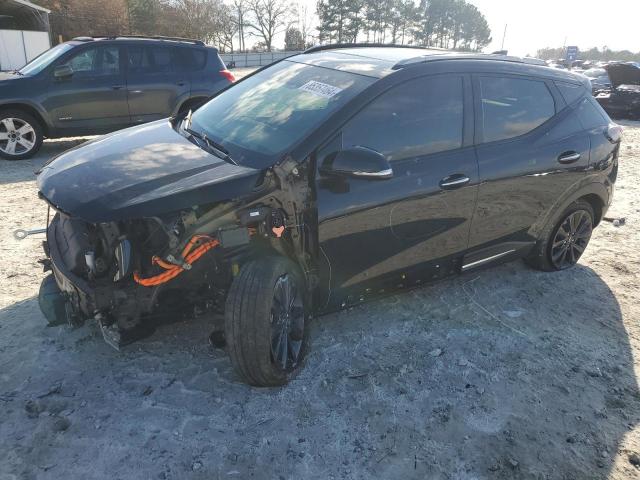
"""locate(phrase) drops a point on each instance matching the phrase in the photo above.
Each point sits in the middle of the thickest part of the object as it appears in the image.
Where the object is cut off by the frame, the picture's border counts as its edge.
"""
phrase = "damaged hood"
(142, 171)
(623, 74)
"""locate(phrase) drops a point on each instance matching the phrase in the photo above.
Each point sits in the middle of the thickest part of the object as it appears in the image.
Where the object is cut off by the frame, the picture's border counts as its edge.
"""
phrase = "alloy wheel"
(287, 323)
(17, 136)
(571, 238)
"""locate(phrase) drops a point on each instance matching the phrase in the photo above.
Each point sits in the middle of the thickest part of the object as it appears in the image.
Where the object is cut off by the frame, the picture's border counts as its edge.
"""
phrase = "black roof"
(380, 60)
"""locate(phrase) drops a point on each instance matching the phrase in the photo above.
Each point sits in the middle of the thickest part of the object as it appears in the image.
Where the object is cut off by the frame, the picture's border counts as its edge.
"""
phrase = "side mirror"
(62, 71)
(359, 162)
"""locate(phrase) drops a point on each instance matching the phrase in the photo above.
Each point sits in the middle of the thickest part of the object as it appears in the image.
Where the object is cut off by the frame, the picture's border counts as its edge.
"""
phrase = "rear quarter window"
(570, 92)
(513, 106)
(591, 114)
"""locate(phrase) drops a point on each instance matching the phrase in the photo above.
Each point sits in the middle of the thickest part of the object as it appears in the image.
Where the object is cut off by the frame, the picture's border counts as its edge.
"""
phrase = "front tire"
(564, 243)
(21, 135)
(265, 322)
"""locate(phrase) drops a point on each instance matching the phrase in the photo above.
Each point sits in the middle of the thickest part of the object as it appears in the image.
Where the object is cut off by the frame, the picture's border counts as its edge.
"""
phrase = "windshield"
(44, 59)
(260, 118)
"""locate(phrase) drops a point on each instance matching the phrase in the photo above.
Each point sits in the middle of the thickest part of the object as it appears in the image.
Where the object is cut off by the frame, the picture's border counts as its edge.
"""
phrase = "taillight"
(613, 132)
(228, 75)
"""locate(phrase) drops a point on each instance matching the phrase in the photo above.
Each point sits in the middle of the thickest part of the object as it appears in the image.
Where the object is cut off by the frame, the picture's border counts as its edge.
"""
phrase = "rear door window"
(163, 59)
(138, 59)
(513, 106)
(419, 117)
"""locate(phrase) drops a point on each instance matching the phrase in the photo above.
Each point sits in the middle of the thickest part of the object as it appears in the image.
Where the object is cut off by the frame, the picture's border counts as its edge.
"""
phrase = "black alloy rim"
(571, 239)
(287, 323)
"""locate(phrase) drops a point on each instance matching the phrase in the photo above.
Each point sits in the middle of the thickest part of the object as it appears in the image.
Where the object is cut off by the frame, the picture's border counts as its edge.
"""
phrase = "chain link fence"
(241, 60)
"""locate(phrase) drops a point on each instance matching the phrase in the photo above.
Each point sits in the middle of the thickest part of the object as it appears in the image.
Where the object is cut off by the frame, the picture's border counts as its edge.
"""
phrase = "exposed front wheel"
(20, 135)
(265, 322)
(565, 243)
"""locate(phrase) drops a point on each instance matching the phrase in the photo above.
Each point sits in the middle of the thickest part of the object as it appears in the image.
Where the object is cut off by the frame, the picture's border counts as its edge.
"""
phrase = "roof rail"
(144, 37)
(336, 46)
(467, 56)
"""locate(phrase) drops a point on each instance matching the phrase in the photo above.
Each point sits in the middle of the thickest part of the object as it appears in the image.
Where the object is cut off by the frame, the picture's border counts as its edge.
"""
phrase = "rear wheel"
(265, 322)
(20, 135)
(564, 244)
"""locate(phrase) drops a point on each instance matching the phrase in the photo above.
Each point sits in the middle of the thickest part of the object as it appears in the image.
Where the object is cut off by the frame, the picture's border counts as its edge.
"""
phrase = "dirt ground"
(508, 373)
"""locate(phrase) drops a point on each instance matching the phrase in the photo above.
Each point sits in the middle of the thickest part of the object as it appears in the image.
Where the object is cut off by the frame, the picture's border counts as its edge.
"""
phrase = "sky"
(547, 23)
(536, 24)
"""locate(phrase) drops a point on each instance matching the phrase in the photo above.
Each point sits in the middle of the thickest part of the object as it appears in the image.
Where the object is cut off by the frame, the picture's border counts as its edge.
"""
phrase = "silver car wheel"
(17, 136)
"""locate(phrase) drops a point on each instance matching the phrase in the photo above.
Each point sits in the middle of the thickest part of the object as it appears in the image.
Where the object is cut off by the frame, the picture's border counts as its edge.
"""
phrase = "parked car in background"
(554, 64)
(623, 99)
(599, 79)
(97, 85)
(322, 181)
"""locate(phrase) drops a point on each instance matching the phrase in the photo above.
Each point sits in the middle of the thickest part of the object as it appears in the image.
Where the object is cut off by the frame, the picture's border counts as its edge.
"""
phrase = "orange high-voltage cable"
(173, 270)
(189, 257)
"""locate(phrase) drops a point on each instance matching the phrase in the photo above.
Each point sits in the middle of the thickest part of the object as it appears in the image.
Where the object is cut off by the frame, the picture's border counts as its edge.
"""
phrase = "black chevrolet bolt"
(319, 182)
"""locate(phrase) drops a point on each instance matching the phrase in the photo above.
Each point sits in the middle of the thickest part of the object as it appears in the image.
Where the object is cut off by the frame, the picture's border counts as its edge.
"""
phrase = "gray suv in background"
(92, 86)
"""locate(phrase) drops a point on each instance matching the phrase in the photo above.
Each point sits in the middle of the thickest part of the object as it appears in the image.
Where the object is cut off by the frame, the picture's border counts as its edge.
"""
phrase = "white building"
(24, 32)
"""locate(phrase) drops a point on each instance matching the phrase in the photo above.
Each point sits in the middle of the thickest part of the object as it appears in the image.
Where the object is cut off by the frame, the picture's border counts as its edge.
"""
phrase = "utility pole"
(504, 35)
(128, 5)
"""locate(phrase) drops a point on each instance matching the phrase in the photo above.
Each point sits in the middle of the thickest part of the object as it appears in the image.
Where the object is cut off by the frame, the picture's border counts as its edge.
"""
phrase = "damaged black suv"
(319, 182)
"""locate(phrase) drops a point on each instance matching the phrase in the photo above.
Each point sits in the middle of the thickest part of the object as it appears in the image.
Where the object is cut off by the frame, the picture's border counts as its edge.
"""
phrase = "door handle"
(117, 87)
(181, 83)
(569, 157)
(456, 180)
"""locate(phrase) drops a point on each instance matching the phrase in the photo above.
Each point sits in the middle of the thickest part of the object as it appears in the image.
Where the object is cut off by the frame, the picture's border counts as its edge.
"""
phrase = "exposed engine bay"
(131, 274)
(623, 99)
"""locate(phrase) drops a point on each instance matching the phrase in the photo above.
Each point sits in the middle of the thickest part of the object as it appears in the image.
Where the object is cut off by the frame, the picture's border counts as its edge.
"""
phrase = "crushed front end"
(133, 274)
(150, 228)
(112, 272)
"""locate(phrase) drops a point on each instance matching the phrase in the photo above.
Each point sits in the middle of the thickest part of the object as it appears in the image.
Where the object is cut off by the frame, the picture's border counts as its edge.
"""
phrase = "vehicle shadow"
(506, 373)
(12, 171)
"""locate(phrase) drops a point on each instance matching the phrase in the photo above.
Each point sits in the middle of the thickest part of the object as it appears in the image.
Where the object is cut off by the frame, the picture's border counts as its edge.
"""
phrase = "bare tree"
(72, 18)
(225, 28)
(269, 18)
(305, 20)
(198, 17)
(240, 9)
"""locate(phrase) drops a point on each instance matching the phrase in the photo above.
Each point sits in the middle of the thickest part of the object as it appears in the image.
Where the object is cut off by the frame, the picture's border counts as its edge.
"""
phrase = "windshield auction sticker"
(321, 89)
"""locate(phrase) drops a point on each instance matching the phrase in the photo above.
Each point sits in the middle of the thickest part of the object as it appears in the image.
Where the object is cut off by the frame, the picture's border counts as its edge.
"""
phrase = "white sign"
(320, 89)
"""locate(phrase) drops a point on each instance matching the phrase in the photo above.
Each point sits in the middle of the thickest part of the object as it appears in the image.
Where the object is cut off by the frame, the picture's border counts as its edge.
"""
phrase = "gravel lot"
(504, 374)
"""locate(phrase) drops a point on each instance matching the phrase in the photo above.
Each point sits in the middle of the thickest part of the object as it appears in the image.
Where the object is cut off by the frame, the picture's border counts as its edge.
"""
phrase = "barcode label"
(321, 89)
